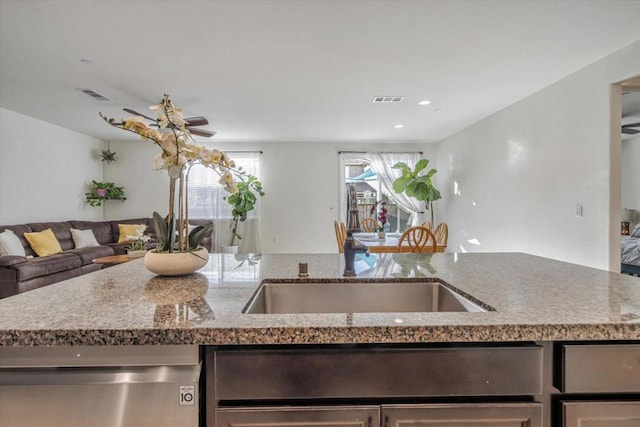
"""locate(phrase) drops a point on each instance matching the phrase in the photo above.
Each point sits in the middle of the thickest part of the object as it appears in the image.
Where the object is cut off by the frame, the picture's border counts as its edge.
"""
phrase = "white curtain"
(382, 163)
(206, 201)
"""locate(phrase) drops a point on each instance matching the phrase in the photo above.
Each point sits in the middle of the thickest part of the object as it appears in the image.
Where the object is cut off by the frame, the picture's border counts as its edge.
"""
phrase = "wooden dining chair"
(427, 225)
(340, 234)
(417, 239)
(368, 225)
(442, 234)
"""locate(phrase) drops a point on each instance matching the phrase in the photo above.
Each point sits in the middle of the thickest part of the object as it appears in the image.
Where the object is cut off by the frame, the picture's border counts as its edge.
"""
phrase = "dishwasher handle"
(100, 375)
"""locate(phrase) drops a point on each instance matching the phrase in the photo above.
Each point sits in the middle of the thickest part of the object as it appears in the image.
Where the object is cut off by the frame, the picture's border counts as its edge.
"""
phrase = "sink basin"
(357, 297)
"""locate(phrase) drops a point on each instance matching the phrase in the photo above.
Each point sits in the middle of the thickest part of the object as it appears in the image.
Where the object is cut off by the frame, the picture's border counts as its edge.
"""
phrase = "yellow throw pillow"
(125, 230)
(43, 243)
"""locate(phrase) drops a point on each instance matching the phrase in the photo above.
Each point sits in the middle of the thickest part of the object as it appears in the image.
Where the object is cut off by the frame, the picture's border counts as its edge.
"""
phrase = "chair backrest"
(427, 224)
(339, 236)
(442, 234)
(368, 225)
(417, 238)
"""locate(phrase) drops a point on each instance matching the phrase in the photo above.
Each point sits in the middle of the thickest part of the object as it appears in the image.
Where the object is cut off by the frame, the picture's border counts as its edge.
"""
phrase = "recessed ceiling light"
(398, 126)
(425, 102)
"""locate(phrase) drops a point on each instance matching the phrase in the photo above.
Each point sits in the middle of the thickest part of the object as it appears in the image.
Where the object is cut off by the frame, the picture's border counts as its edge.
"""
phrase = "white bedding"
(630, 247)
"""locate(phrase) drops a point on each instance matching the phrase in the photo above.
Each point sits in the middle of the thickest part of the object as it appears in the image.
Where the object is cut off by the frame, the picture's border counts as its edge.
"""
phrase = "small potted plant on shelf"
(242, 202)
(104, 191)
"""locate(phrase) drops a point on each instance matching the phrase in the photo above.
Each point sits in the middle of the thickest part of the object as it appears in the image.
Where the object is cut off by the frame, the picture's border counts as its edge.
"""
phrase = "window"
(206, 195)
(357, 169)
(206, 201)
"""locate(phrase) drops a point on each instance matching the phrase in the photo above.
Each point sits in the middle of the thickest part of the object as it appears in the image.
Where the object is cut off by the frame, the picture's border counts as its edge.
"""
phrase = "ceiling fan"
(190, 123)
(628, 128)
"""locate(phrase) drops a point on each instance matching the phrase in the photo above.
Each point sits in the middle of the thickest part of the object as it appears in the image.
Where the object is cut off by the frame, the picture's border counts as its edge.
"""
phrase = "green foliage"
(166, 233)
(243, 201)
(104, 191)
(416, 185)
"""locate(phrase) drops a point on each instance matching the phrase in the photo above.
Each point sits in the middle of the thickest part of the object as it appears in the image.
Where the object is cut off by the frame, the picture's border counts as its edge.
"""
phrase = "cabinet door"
(312, 416)
(601, 414)
(464, 415)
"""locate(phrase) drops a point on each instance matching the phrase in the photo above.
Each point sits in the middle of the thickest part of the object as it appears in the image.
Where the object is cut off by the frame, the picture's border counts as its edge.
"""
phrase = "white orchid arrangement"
(178, 153)
(138, 241)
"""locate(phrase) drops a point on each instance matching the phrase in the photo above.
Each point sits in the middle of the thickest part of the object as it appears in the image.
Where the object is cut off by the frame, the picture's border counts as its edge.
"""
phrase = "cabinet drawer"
(601, 414)
(290, 416)
(604, 368)
(377, 372)
(464, 415)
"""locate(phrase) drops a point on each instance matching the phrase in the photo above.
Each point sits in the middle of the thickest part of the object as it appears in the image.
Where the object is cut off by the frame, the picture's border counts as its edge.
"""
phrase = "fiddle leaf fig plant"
(415, 184)
(243, 202)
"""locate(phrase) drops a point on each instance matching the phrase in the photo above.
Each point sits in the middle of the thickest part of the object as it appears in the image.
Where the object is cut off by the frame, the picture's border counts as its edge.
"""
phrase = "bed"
(630, 248)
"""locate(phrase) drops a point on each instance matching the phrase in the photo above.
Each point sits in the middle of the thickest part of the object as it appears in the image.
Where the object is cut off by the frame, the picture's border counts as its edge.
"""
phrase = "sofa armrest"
(7, 260)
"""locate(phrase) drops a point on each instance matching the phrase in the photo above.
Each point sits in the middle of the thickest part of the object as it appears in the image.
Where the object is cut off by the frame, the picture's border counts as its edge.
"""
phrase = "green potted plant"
(104, 191)
(417, 185)
(242, 202)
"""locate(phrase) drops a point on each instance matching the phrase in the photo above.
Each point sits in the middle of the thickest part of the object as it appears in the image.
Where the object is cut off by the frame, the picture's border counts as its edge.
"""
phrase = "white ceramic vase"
(176, 263)
(418, 219)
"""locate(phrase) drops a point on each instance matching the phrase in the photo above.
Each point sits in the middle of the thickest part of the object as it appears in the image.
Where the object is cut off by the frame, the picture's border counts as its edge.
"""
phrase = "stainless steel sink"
(357, 297)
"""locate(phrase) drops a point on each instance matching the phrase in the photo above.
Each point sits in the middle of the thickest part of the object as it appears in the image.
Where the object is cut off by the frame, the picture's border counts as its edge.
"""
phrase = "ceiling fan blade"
(201, 132)
(196, 121)
(135, 113)
(631, 125)
(630, 131)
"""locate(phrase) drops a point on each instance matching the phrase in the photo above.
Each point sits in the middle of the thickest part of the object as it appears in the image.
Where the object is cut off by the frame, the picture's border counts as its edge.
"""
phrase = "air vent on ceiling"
(94, 94)
(387, 99)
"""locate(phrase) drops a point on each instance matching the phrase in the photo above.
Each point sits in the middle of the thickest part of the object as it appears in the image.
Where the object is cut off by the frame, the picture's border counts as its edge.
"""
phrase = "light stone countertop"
(536, 299)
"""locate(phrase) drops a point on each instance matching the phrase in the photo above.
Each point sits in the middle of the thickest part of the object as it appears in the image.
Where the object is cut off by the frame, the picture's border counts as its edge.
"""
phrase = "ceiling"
(298, 70)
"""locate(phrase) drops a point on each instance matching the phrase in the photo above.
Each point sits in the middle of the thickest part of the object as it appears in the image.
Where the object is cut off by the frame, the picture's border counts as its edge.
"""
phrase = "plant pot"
(137, 253)
(229, 249)
(382, 235)
(176, 263)
(418, 219)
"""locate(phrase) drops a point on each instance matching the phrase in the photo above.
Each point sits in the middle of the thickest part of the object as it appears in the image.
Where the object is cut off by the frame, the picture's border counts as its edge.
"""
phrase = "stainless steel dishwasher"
(101, 386)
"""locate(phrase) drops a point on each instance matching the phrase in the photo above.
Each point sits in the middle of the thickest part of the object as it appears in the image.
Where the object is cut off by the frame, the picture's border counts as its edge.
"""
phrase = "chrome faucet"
(351, 247)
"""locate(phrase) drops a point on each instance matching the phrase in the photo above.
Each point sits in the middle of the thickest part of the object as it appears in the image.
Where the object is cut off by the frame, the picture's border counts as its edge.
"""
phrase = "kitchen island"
(529, 357)
(534, 299)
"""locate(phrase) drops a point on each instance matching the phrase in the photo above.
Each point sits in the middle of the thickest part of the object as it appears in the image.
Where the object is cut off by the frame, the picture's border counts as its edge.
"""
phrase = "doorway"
(625, 175)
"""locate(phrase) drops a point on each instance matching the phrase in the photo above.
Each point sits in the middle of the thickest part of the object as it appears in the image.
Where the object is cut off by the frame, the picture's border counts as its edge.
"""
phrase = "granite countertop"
(536, 299)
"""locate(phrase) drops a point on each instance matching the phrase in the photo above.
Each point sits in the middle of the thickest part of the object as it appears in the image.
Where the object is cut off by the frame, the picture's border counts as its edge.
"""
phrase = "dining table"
(390, 243)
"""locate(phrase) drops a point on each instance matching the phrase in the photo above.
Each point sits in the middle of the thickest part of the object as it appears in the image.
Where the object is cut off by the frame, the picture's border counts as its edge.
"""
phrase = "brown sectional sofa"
(20, 274)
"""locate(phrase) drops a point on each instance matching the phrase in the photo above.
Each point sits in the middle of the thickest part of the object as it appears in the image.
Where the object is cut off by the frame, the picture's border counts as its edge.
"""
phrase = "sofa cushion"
(43, 243)
(101, 229)
(38, 267)
(87, 255)
(10, 244)
(19, 231)
(115, 230)
(83, 238)
(60, 229)
(8, 260)
(126, 231)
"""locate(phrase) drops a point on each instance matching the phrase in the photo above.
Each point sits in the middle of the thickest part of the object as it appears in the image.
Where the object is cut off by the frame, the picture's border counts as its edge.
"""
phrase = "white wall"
(300, 182)
(512, 181)
(45, 171)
